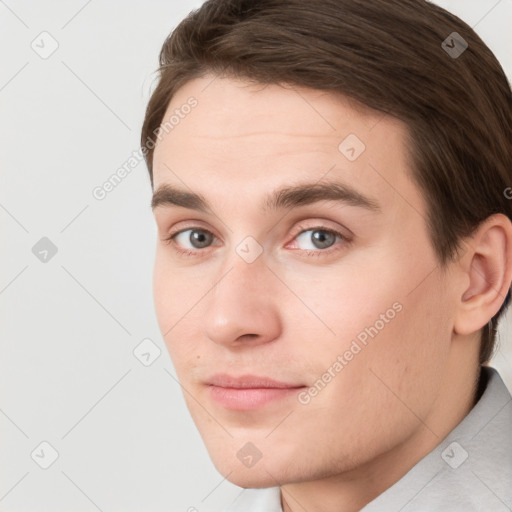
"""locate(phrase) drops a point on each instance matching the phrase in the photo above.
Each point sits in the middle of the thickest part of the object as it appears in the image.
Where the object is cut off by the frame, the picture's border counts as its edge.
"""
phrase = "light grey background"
(68, 375)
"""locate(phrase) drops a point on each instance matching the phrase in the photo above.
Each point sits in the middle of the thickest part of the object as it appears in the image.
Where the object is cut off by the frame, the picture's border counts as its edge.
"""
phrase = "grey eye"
(194, 238)
(316, 239)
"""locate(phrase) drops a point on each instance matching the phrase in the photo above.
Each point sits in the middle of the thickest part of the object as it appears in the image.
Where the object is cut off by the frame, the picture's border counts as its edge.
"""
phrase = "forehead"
(241, 135)
(230, 108)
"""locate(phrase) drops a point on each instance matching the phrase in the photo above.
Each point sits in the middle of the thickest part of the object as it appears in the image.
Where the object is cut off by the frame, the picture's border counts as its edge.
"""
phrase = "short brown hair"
(391, 55)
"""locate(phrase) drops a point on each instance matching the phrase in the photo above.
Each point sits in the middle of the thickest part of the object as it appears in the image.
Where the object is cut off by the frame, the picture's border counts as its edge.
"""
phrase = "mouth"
(249, 392)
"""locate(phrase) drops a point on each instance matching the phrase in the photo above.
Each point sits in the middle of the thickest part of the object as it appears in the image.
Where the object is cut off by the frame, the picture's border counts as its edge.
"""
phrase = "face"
(295, 281)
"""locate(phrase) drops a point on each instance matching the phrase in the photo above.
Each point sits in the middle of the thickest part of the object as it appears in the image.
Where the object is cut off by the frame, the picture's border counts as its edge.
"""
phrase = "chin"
(266, 472)
(252, 478)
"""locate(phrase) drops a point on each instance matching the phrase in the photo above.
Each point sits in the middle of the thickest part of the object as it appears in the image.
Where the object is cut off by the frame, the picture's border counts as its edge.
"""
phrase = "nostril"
(248, 336)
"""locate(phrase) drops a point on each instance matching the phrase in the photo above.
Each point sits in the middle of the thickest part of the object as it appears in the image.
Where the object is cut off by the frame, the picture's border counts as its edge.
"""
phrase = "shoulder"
(470, 470)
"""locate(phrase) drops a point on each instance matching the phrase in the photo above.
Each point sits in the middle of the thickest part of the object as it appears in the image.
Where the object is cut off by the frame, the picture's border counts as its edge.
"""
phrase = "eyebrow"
(285, 198)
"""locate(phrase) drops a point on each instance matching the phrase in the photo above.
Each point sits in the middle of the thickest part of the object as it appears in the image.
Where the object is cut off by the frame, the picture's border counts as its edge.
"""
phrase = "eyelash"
(309, 252)
(322, 252)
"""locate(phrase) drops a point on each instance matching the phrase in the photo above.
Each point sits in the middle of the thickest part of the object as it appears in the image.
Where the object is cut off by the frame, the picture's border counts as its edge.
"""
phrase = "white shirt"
(469, 471)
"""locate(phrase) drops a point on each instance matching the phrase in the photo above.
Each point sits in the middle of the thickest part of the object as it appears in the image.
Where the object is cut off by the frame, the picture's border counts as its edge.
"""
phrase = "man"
(335, 250)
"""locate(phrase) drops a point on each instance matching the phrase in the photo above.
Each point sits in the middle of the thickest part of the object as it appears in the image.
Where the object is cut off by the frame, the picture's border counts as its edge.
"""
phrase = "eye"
(317, 238)
(193, 238)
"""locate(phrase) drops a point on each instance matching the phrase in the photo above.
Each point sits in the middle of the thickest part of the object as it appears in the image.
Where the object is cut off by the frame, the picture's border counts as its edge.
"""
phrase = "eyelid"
(194, 224)
(174, 233)
(341, 241)
(300, 228)
(322, 225)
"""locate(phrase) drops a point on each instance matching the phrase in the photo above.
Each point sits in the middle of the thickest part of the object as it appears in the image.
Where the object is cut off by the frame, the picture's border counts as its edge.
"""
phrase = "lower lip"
(245, 399)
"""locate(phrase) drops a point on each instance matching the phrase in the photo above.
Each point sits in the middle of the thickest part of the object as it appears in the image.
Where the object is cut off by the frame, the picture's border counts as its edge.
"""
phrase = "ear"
(487, 265)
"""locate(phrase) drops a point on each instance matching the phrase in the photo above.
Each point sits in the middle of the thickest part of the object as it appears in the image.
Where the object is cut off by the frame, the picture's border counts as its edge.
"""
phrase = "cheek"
(343, 303)
(387, 291)
(175, 295)
(392, 334)
(175, 291)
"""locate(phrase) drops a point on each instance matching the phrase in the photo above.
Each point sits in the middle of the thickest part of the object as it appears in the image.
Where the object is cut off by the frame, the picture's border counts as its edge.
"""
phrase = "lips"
(248, 381)
(249, 391)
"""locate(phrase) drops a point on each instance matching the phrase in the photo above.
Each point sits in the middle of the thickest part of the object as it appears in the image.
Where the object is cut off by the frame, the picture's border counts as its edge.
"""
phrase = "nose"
(242, 308)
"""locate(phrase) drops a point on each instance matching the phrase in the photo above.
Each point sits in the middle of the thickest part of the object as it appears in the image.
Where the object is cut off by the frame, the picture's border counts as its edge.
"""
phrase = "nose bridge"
(241, 301)
(244, 272)
(241, 286)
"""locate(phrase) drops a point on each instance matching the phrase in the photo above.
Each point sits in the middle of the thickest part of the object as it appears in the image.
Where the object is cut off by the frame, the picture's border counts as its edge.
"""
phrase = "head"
(330, 192)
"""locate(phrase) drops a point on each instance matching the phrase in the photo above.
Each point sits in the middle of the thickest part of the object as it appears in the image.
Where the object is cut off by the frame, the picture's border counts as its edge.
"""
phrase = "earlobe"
(488, 267)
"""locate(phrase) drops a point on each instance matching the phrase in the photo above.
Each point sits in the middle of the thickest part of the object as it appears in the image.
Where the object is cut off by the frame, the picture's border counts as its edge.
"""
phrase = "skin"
(290, 313)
